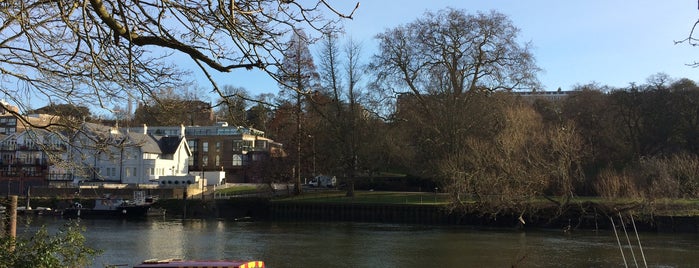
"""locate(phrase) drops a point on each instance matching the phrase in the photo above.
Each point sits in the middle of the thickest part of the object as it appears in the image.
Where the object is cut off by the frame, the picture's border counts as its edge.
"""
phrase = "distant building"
(6, 108)
(11, 122)
(94, 153)
(25, 159)
(144, 155)
(545, 95)
(105, 154)
(221, 147)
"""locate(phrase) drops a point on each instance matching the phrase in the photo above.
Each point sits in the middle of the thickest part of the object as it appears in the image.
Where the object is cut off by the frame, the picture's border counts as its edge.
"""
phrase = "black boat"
(108, 208)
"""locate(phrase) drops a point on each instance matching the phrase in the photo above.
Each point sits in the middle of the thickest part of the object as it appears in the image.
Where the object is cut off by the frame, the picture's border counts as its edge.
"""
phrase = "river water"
(335, 244)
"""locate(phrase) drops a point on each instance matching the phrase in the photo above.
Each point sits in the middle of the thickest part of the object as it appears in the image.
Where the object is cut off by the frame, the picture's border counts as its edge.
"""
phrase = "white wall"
(211, 177)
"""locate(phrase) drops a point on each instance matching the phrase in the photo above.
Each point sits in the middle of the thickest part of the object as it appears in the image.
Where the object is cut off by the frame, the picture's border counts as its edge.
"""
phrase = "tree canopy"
(453, 52)
(104, 51)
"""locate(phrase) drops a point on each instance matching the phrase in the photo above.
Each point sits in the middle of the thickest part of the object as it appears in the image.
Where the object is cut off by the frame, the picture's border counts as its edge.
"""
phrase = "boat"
(108, 208)
(178, 263)
(35, 211)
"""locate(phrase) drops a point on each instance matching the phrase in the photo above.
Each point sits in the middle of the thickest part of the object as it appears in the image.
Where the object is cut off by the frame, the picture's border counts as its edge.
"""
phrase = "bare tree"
(444, 68)
(103, 51)
(100, 53)
(692, 40)
(233, 106)
(342, 112)
(451, 52)
(298, 77)
(260, 114)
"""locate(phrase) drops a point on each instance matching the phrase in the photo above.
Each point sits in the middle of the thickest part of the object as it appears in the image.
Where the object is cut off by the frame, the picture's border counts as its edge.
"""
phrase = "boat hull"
(123, 212)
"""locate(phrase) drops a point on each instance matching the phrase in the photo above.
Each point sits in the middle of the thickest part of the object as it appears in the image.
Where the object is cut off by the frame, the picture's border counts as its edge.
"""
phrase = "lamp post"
(201, 181)
(313, 146)
(9, 180)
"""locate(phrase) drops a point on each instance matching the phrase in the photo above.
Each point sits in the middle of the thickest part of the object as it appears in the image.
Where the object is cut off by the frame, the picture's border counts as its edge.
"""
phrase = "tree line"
(434, 101)
(443, 108)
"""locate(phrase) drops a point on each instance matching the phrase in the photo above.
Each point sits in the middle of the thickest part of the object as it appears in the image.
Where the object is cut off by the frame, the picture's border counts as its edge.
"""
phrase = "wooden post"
(184, 202)
(28, 198)
(12, 220)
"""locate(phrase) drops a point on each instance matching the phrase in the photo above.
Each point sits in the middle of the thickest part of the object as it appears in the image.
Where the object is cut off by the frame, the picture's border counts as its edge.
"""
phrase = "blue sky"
(612, 42)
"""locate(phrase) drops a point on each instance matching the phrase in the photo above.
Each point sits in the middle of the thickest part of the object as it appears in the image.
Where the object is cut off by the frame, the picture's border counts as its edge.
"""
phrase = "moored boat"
(108, 208)
(178, 263)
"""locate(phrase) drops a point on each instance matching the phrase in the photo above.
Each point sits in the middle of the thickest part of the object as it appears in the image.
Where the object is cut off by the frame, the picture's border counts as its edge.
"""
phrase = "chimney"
(182, 131)
(145, 129)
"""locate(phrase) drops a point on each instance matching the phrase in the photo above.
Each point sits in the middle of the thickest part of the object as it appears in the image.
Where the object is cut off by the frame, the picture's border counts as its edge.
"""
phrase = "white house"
(109, 155)
(26, 155)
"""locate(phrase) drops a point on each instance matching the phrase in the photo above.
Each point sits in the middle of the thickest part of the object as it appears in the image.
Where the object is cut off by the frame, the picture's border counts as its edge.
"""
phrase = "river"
(342, 244)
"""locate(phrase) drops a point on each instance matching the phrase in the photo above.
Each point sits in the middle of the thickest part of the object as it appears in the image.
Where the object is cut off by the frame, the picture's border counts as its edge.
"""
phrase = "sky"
(610, 42)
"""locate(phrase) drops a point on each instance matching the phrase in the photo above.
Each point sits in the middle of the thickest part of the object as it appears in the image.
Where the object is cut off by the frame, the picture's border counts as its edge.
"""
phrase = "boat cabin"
(177, 263)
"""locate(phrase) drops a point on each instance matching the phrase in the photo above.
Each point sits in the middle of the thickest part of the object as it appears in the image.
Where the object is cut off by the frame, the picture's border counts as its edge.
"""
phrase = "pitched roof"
(147, 142)
(169, 144)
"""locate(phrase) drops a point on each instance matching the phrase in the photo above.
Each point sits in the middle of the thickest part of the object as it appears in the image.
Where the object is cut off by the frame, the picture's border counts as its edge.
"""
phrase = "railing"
(49, 147)
(59, 177)
(8, 147)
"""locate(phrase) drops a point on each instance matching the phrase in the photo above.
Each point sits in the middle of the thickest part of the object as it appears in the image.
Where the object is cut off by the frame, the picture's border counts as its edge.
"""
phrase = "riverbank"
(575, 217)
(428, 209)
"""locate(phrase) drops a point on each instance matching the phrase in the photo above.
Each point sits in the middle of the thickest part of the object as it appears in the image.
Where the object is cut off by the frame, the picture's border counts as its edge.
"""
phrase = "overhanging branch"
(121, 31)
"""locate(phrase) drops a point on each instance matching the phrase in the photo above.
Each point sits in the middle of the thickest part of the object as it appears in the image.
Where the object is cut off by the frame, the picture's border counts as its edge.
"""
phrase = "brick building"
(232, 149)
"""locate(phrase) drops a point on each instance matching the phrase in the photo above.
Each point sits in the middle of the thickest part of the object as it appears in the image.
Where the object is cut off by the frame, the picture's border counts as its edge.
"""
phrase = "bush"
(676, 176)
(65, 248)
(611, 184)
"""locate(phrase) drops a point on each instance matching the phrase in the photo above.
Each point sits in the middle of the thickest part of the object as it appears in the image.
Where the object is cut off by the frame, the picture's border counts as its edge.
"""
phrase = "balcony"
(8, 147)
(60, 177)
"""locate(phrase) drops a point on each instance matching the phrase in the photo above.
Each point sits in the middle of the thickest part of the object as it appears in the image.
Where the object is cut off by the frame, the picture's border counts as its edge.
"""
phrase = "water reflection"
(375, 245)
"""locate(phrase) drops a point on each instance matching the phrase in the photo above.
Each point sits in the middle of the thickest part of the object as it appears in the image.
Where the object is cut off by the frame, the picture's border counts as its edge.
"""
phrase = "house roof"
(169, 144)
(147, 142)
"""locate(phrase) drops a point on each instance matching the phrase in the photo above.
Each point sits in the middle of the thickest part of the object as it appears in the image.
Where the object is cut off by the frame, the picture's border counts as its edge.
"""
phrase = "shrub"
(65, 248)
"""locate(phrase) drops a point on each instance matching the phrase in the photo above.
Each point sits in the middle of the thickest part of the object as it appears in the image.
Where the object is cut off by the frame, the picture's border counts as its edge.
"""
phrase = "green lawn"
(675, 207)
(369, 197)
(242, 189)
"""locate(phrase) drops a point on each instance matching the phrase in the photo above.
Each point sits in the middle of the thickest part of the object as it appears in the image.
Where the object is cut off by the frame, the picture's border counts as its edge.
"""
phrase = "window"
(237, 160)
(205, 160)
(205, 147)
(257, 157)
(218, 160)
(218, 146)
(247, 145)
(237, 145)
(192, 145)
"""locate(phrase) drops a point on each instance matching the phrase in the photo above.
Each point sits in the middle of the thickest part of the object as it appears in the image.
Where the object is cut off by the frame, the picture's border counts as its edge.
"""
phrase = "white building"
(106, 154)
(25, 158)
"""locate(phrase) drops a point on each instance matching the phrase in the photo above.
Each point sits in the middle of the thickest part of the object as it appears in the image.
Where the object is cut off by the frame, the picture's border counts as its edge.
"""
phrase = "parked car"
(323, 181)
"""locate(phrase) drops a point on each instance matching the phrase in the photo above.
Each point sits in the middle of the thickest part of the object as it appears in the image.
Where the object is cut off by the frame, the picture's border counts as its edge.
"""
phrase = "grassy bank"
(659, 207)
(369, 197)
